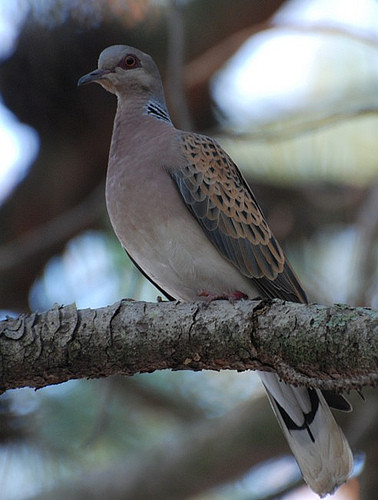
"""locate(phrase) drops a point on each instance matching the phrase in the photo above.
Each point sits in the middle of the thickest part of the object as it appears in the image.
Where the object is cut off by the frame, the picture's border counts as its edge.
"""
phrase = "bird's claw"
(231, 297)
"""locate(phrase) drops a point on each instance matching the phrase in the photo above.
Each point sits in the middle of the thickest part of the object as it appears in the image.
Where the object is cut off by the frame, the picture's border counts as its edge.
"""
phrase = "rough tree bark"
(330, 347)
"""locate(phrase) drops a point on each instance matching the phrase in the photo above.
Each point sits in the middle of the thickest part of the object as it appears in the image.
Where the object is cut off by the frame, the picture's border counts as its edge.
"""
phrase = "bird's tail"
(317, 442)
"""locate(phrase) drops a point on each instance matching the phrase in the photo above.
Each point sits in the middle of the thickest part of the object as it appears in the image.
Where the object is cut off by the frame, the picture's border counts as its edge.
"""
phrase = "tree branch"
(330, 347)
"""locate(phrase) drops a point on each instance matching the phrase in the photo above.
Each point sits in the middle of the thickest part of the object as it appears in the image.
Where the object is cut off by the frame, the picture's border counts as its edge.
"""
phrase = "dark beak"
(93, 76)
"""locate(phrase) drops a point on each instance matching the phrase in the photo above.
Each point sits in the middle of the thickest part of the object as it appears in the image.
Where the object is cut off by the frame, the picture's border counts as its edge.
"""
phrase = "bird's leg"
(231, 297)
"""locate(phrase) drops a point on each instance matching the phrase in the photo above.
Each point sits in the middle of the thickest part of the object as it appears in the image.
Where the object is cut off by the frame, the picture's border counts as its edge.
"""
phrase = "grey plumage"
(185, 214)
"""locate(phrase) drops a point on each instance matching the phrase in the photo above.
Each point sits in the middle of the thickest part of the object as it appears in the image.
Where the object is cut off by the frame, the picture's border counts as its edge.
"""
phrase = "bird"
(190, 222)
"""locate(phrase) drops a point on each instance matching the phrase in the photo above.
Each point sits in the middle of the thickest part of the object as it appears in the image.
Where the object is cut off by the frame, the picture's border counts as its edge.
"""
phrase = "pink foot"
(232, 297)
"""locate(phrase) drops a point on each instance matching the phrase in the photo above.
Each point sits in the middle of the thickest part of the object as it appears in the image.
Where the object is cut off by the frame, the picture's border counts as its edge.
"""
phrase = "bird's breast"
(154, 225)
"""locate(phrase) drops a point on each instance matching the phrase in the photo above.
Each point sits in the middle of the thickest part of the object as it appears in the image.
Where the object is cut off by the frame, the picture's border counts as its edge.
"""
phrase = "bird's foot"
(231, 297)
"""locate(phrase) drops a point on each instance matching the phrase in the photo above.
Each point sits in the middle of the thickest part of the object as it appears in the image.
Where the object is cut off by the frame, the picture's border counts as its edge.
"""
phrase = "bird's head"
(123, 70)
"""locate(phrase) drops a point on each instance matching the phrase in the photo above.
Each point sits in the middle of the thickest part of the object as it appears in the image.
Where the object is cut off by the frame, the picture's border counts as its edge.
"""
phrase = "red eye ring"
(130, 61)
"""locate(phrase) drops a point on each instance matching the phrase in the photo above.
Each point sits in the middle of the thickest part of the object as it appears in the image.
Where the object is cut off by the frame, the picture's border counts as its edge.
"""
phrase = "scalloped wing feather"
(218, 196)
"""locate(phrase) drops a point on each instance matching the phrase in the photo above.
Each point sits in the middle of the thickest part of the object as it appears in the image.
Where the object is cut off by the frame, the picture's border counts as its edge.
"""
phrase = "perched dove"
(190, 222)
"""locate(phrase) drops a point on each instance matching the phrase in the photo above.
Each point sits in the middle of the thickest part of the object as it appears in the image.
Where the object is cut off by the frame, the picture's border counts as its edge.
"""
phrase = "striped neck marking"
(154, 109)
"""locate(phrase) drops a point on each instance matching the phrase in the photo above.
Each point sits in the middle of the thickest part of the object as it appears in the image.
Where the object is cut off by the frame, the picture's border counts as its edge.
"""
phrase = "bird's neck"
(139, 120)
(141, 113)
(157, 110)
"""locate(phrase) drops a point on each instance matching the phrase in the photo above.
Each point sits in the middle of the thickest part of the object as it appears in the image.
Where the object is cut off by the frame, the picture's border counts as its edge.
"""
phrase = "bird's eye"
(129, 62)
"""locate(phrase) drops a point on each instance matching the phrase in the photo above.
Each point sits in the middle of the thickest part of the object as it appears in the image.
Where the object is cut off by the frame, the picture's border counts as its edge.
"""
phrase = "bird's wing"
(218, 196)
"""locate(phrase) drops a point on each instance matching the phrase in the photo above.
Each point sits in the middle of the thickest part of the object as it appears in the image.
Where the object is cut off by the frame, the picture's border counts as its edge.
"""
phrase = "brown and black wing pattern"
(218, 196)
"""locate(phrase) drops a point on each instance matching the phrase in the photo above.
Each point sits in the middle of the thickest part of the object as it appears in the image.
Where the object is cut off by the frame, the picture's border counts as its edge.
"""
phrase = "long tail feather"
(317, 442)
